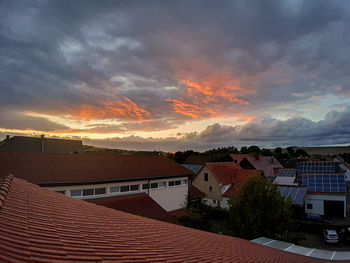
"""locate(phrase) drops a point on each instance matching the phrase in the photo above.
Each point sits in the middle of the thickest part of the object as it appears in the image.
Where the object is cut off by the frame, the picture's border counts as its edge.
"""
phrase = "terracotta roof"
(241, 177)
(137, 204)
(238, 157)
(39, 145)
(265, 163)
(38, 225)
(195, 193)
(44, 169)
(226, 172)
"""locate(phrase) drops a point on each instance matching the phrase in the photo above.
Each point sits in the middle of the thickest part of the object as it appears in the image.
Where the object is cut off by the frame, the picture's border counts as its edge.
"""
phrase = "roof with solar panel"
(287, 172)
(317, 167)
(324, 183)
(296, 194)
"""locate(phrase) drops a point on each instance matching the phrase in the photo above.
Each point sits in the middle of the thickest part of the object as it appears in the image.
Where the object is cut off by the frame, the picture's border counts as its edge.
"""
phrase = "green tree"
(301, 152)
(244, 149)
(278, 150)
(266, 152)
(291, 151)
(258, 210)
(254, 149)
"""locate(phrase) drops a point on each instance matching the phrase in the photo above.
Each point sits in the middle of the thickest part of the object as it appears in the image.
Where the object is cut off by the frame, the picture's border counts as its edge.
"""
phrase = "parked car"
(318, 218)
(330, 236)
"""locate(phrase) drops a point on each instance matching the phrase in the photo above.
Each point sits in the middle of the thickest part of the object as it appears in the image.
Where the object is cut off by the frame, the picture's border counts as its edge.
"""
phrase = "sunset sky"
(177, 75)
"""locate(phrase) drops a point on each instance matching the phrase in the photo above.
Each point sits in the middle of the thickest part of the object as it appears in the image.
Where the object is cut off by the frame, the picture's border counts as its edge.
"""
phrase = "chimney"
(7, 137)
(42, 136)
(271, 160)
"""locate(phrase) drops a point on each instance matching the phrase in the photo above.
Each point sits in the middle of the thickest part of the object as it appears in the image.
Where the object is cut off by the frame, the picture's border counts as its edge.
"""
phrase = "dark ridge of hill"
(97, 150)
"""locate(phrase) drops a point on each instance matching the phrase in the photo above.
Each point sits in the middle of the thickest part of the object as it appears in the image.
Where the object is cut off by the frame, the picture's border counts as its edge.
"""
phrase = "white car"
(330, 236)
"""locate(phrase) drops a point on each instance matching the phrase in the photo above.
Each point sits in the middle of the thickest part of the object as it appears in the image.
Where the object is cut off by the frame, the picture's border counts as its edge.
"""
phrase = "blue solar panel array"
(317, 167)
(324, 183)
(297, 194)
(287, 172)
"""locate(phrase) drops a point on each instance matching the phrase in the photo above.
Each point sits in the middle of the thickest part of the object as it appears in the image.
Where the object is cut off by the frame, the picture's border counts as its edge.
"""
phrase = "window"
(206, 177)
(154, 185)
(177, 183)
(218, 203)
(210, 188)
(125, 188)
(309, 206)
(114, 189)
(134, 187)
(77, 192)
(214, 201)
(87, 192)
(162, 185)
(61, 192)
(145, 186)
(100, 191)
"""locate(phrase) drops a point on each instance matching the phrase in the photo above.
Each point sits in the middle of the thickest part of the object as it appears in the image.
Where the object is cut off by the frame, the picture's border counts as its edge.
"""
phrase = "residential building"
(267, 164)
(220, 181)
(100, 176)
(326, 187)
(38, 225)
(344, 166)
(40, 145)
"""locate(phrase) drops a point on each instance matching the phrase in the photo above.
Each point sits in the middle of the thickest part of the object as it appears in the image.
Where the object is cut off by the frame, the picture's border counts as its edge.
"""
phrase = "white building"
(98, 176)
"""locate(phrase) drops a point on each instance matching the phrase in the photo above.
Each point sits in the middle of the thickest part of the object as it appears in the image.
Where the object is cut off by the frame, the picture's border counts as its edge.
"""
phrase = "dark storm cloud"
(333, 129)
(59, 55)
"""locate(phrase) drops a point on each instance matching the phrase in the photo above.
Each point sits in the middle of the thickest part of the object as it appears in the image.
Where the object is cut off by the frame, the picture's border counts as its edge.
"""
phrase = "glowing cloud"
(124, 109)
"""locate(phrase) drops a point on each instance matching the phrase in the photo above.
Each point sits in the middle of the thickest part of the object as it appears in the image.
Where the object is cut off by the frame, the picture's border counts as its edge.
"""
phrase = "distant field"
(327, 150)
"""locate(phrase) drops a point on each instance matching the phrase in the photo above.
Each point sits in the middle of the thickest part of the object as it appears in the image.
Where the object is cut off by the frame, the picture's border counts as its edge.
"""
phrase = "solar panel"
(317, 167)
(287, 172)
(324, 183)
(297, 194)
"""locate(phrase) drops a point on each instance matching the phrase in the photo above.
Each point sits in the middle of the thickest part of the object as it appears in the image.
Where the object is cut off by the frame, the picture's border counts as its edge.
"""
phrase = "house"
(98, 176)
(344, 166)
(220, 181)
(265, 163)
(40, 145)
(326, 187)
(38, 225)
(286, 177)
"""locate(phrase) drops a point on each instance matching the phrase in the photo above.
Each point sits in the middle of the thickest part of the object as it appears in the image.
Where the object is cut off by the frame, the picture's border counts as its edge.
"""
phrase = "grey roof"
(41, 145)
(297, 194)
(287, 172)
(195, 168)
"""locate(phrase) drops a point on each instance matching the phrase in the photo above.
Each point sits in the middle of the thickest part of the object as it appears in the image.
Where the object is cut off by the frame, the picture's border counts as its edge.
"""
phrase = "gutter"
(51, 184)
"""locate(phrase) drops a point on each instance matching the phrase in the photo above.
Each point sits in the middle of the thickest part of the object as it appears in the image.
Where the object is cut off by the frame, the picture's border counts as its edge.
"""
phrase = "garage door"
(334, 208)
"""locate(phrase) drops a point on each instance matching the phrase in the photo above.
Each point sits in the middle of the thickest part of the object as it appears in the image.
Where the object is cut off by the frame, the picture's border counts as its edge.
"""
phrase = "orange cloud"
(245, 118)
(191, 110)
(120, 109)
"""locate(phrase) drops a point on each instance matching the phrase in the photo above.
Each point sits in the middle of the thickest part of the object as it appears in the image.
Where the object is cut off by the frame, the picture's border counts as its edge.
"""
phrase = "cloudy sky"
(175, 75)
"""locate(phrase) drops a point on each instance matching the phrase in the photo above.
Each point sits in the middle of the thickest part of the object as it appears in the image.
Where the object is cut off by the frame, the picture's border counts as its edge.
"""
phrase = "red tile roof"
(227, 172)
(137, 204)
(38, 225)
(240, 178)
(195, 193)
(44, 169)
(265, 163)
(238, 157)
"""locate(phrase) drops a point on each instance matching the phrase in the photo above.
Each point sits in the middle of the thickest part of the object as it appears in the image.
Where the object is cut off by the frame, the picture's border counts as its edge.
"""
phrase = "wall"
(318, 204)
(202, 185)
(169, 198)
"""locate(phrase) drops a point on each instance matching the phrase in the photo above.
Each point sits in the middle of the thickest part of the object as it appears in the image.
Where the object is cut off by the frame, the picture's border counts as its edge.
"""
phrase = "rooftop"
(39, 225)
(40, 145)
(67, 169)
(137, 204)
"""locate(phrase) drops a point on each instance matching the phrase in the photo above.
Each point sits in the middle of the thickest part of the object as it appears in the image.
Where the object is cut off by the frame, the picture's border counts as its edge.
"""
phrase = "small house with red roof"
(220, 181)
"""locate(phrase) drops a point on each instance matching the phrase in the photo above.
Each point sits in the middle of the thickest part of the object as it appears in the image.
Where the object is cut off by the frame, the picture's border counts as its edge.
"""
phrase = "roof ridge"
(5, 183)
